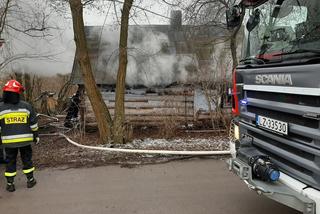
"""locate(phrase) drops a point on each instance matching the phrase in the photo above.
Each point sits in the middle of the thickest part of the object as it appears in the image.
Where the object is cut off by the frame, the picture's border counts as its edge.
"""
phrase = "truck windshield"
(282, 27)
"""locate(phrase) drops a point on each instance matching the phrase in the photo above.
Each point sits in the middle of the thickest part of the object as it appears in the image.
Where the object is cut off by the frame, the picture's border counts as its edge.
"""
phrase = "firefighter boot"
(10, 184)
(31, 181)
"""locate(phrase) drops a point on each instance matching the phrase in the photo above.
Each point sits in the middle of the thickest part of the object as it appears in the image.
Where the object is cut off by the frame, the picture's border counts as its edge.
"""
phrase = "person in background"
(19, 129)
(73, 110)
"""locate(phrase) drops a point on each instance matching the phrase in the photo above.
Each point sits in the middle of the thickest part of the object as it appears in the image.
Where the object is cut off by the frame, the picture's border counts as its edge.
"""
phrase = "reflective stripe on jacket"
(18, 124)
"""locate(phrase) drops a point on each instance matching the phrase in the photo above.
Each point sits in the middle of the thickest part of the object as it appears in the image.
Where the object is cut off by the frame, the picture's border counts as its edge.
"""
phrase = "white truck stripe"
(283, 89)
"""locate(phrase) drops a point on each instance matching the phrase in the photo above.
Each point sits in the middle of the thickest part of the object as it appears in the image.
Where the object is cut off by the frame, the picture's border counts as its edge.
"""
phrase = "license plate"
(272, 124)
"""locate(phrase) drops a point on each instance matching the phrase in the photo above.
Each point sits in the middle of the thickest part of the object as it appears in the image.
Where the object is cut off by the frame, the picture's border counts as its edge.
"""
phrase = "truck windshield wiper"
(253, 60)
(303, 50)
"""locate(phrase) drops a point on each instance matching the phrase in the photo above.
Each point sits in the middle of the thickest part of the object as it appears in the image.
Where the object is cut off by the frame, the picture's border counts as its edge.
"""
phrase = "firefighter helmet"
(13, 86)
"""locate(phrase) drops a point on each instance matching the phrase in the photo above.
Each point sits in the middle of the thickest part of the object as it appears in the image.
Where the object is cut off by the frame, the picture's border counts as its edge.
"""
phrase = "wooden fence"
(155, 109)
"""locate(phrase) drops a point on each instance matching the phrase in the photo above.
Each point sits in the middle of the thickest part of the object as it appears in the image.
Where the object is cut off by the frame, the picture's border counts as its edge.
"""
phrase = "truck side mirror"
(233, 16)
(254, 20)
(281, 11)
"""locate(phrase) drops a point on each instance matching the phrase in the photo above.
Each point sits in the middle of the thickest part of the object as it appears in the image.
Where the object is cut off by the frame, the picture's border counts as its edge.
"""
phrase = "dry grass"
(36, 84)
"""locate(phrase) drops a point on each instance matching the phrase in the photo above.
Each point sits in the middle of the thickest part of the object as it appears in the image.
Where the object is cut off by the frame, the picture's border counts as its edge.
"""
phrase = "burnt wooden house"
(175, 101)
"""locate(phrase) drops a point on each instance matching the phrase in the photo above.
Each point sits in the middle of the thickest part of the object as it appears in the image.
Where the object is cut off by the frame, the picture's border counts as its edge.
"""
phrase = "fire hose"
(137, 151)
(142, 151)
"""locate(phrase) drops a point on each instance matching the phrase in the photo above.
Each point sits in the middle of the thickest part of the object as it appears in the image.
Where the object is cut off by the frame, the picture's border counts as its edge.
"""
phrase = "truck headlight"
(236, 132)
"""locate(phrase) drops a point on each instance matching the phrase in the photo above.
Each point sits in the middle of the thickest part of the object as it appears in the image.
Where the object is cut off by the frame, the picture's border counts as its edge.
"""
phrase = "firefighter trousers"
(26, 157)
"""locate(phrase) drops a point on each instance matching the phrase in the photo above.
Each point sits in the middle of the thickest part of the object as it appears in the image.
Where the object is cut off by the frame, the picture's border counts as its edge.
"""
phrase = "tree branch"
(11, 59)
(3, 17)
(141, 8)
(32, 29)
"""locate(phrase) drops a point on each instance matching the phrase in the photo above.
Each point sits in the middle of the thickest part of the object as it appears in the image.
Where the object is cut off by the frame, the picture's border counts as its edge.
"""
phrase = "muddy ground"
(55, 151)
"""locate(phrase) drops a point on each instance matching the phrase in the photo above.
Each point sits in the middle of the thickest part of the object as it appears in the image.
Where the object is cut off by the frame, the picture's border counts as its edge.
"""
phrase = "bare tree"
(3, 15)
(118, 130)
(211, 13)
(20, 17)
(99, 107)
(63, 91)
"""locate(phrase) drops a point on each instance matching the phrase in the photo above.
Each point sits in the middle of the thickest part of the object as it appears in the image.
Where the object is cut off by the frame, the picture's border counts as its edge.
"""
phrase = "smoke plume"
(48, 50)
(151, 57)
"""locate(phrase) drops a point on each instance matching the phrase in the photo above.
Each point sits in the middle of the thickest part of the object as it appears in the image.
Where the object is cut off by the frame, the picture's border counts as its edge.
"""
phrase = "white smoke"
(54, 56)
(45, 52)
(151, 57)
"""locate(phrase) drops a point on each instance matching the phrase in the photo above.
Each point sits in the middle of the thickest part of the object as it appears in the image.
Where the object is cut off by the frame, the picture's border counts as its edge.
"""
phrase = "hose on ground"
(140, 151)
(135, 151)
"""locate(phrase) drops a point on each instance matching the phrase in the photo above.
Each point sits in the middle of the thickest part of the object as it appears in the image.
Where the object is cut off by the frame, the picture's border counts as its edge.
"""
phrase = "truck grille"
(298, 153)
(287, 98)
(290, 118)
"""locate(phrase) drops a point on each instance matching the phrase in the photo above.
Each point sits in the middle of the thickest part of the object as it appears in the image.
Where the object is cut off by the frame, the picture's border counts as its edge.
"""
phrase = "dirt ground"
(55, 151)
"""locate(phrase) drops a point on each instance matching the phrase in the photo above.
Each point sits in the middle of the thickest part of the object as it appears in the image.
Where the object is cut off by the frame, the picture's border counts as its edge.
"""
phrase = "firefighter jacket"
(18, 124)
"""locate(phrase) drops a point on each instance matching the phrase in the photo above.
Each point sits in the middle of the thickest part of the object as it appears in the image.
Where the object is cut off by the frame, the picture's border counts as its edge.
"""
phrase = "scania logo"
(274, 79)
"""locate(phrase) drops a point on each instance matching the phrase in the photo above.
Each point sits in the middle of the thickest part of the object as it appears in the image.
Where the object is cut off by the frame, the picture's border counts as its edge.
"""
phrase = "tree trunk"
(99, 107)
(118, 128)
(29, 88)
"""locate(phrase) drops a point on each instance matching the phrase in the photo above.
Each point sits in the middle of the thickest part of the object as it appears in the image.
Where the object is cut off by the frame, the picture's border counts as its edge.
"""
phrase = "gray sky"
(93, 17)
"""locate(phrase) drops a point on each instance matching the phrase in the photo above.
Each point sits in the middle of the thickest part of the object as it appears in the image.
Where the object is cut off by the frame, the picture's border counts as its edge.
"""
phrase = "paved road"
(194, 186)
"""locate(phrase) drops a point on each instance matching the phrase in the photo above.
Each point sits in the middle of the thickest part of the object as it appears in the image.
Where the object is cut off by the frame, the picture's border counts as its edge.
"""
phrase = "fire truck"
(276, 101)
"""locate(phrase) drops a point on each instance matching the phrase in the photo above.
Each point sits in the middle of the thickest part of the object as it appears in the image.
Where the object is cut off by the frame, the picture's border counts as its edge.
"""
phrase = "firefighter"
(73, 110)
(19, 129)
